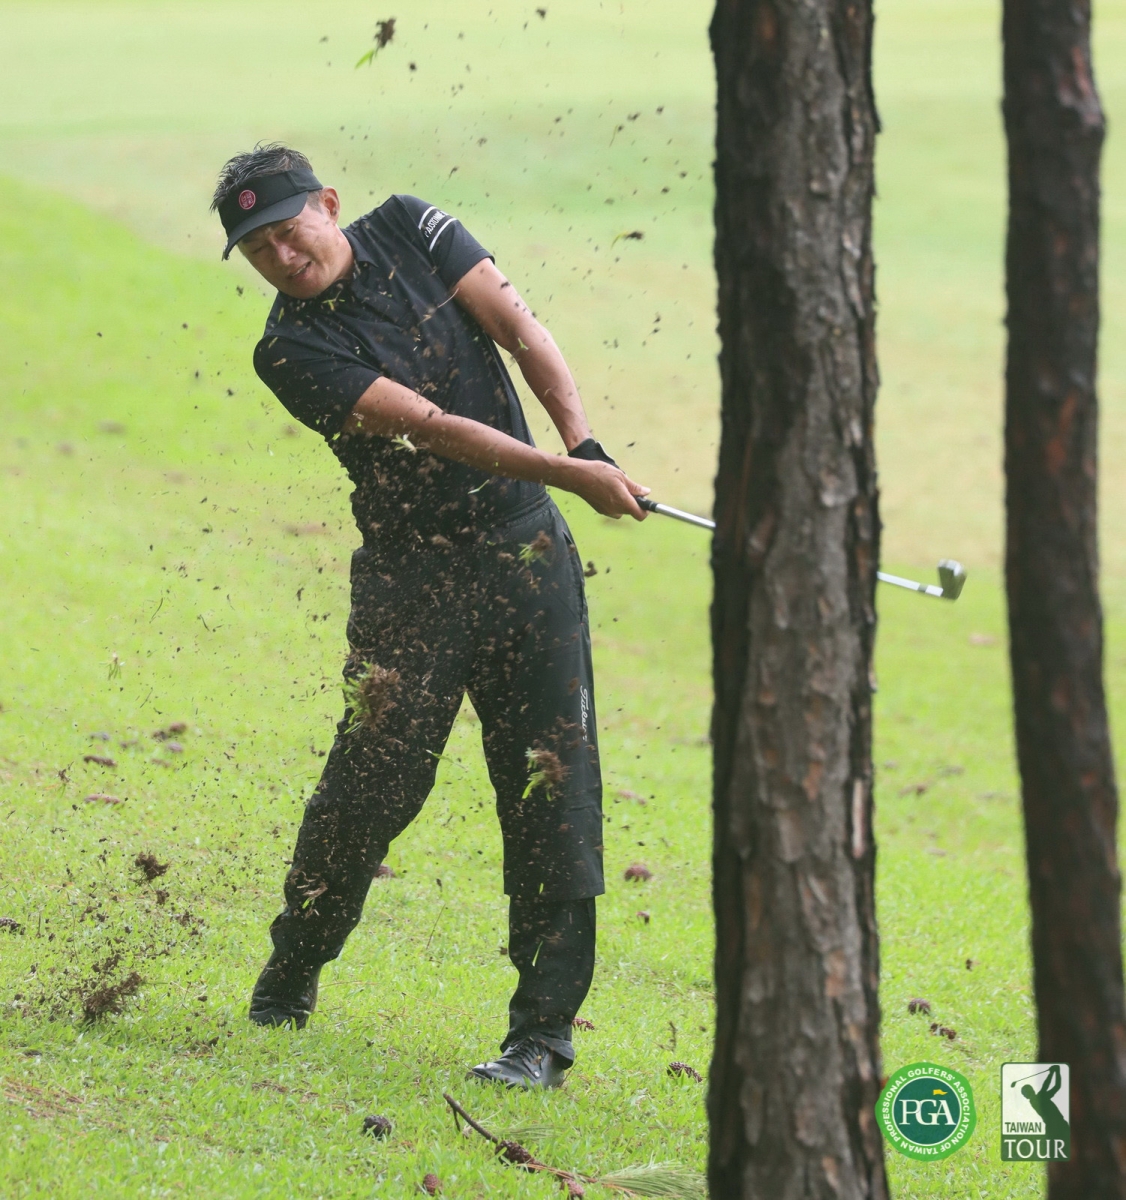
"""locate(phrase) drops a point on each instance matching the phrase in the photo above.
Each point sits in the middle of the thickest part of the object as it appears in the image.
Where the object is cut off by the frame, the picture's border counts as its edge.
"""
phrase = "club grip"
(645, 503)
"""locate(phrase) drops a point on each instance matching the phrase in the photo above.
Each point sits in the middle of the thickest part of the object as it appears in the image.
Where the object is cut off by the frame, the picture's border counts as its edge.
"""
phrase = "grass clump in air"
(537, 548)
(369, 696)
(547, 771)
(384, 33)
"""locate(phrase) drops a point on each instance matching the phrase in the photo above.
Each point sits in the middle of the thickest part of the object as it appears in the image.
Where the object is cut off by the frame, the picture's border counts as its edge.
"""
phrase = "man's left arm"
(497, 307)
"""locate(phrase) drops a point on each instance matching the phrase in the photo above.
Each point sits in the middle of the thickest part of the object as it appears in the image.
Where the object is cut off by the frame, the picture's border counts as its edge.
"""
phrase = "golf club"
(951, 575)
(1032, 1076)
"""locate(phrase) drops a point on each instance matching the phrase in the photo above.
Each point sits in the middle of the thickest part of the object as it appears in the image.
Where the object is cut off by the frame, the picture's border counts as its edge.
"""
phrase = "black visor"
(263, 200)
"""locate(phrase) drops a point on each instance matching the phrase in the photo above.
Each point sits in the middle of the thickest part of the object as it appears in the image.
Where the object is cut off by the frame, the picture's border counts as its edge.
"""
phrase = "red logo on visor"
(247, 199)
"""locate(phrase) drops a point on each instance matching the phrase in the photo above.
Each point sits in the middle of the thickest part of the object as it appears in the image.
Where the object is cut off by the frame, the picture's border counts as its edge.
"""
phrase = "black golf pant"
(501, 616)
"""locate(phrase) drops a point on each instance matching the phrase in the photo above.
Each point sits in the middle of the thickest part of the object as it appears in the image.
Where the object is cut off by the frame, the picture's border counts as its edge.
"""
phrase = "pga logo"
(926, 1111)
(247, 199)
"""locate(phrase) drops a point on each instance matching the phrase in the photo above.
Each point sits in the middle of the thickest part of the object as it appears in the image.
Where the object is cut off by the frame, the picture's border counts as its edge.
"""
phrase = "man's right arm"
(387, 409)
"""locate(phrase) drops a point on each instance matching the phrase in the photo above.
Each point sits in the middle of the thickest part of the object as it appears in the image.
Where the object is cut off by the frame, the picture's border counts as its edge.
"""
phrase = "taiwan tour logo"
(927, 1111)
(247, 199)
(1035, 1112)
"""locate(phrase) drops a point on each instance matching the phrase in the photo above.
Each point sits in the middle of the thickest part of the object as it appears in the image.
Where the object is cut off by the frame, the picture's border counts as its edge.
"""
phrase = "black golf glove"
(592, 451)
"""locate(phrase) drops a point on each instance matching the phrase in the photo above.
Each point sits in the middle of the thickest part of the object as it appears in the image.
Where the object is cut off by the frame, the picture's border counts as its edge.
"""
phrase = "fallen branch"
(458, 1111)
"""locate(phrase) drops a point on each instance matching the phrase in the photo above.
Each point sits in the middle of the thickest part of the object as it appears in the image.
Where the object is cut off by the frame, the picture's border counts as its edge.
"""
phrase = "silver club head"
(952, 576)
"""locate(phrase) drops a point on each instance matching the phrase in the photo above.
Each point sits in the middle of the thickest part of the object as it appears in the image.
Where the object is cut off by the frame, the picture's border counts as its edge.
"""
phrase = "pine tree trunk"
(1055, 132)
(796, 1071)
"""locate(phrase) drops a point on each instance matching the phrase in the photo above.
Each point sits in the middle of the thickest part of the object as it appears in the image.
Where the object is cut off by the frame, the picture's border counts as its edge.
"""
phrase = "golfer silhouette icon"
(1055, 1124)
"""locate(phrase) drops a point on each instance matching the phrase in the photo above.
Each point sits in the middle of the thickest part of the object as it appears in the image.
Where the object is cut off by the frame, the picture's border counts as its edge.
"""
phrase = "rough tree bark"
(1055, 133)
(796, 1070)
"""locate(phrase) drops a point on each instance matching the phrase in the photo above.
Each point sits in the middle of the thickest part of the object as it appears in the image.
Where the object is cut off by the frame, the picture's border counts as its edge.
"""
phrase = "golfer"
(383, 338)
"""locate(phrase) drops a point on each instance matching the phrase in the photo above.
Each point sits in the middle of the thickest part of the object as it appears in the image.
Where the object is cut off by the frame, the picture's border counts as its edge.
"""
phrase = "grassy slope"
(140, 118)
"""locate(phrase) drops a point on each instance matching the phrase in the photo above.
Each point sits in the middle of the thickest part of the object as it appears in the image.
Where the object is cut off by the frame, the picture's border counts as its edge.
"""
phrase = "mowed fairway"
(175, 550)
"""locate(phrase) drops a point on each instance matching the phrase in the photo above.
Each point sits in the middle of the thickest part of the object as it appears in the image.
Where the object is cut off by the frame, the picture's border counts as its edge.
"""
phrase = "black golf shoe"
(286, 992)
(528, 1063)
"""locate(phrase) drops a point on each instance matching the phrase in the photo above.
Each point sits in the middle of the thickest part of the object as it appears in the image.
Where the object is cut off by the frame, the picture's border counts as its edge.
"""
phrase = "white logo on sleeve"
(433, 224)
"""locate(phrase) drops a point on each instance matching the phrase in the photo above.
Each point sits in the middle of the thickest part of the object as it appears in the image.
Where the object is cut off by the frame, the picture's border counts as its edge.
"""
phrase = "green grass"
(158, 508)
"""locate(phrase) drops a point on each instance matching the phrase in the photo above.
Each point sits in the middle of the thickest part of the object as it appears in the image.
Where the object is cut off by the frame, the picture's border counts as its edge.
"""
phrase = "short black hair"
(267, 158)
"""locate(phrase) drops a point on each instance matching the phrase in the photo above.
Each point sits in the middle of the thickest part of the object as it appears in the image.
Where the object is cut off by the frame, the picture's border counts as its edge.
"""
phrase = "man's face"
(304, 255)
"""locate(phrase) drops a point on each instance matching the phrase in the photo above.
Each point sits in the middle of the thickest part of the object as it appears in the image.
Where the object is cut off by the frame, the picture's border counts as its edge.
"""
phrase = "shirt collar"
(360, 252)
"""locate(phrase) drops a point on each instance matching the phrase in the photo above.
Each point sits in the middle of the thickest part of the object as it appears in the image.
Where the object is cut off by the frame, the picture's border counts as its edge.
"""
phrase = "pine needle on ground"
(657, 1179)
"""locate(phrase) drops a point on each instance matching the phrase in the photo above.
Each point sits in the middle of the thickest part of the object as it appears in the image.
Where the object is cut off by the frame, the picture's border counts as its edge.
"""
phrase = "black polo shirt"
(395, 318)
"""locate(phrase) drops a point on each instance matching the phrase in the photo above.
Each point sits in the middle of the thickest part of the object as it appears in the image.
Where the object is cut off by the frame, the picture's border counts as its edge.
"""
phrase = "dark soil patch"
(150, 868)
(192, 923)
(384, 32)
(110, 998)
(638, 873)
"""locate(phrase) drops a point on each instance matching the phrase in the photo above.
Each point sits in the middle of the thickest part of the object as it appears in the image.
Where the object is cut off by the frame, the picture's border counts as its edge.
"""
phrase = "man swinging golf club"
(383, 339)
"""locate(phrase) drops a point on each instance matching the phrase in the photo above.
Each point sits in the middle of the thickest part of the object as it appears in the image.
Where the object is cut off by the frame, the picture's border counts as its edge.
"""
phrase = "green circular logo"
(927, 1111)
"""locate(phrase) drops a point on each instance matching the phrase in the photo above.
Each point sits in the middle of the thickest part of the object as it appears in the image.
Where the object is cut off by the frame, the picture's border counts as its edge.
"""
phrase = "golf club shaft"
(928, 589)
(1014, 1082)
(679, 514)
